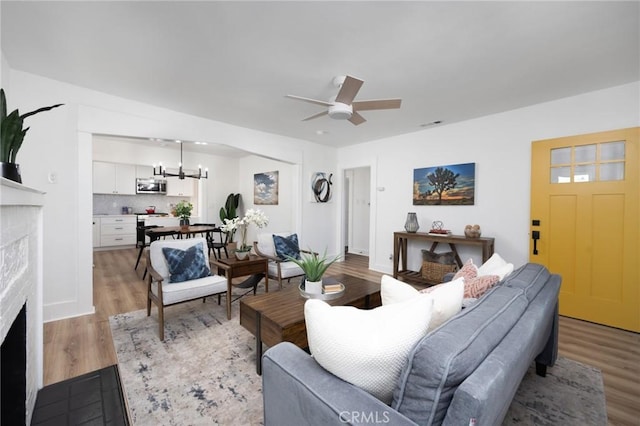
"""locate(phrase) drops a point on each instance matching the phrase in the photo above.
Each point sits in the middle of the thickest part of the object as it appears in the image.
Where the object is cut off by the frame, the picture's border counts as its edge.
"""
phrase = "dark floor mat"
(94, 398)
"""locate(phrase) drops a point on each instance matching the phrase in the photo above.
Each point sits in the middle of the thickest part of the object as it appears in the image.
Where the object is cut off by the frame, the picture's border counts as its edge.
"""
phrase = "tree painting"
(452, 185)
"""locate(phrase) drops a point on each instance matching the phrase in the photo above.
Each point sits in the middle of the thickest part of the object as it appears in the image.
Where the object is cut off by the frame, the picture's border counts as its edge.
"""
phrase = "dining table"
(178, 231)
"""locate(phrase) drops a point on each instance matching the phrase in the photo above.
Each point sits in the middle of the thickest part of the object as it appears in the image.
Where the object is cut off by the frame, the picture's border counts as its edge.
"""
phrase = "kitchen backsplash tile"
(112, 204)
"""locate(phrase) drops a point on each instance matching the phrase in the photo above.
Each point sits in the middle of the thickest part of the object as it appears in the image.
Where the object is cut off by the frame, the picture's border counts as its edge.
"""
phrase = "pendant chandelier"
(181, 174)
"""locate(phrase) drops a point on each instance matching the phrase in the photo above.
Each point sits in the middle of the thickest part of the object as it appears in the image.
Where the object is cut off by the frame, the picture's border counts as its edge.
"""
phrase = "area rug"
(204, 374)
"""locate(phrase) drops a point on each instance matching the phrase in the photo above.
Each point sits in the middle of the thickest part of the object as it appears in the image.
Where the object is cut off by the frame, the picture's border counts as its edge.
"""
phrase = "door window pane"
(585, 154)
(561, 156)
(612, 171)
(612, 151)
(585, 173)
(560, 174)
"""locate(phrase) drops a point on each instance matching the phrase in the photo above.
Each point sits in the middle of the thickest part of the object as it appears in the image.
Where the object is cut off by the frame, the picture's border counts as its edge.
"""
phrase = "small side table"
(234, 268)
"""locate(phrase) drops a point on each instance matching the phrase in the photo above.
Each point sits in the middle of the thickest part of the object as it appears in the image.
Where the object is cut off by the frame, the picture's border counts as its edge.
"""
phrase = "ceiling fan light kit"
(344, 108)
(340, 111)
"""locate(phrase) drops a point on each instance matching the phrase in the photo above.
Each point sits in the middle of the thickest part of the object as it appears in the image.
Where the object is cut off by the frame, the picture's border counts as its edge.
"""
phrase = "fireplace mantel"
(21, 276)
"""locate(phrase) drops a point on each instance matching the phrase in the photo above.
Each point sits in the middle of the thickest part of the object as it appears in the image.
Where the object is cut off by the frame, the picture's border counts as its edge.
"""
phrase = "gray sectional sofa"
(465, 372)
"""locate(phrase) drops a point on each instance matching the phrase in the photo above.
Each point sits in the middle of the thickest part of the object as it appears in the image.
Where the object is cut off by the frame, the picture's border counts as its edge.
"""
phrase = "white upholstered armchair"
(179, 271)
(279, 268)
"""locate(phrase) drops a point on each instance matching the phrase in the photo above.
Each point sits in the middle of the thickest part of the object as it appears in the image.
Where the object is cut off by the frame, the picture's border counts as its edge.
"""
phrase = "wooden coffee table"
(279, 316)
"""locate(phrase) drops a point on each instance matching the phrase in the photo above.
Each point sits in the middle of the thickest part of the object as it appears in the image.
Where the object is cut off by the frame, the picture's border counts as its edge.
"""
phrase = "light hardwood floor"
(78, 345)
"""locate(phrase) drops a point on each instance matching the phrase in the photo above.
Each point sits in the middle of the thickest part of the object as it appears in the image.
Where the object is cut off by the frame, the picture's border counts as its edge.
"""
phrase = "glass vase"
(411, 225)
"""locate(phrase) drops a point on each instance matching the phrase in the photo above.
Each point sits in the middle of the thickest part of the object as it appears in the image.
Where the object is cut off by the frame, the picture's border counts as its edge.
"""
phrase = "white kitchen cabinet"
(180, 187)
(144, 172)
(114, 178)
(96, 232)
(117, 231)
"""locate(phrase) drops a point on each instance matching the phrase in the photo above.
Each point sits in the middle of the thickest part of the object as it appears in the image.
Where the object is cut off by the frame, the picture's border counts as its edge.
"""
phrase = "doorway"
(585, 223)
(357, 210)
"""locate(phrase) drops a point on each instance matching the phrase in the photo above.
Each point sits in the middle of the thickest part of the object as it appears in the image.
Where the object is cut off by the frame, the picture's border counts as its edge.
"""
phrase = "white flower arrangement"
(253, 216)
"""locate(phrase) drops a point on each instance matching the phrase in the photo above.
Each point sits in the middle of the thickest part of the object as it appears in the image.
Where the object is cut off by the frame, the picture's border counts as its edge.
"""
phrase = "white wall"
(60, 142)
(500, 145)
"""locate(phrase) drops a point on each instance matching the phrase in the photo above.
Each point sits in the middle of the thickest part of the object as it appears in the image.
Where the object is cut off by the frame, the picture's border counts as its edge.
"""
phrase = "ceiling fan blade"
(312, 101)
(349, 90)
(356, 118)
(376, 104)
(320, 114)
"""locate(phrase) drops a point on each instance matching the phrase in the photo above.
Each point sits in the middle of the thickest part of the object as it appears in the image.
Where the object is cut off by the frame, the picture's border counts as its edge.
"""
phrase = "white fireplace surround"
(21, 233)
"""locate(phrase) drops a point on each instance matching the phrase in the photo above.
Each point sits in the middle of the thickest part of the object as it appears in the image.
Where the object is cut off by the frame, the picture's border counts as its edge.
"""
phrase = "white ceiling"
(235, 61)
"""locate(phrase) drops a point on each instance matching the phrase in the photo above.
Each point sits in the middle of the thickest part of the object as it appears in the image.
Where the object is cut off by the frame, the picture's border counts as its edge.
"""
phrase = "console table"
(400, 240)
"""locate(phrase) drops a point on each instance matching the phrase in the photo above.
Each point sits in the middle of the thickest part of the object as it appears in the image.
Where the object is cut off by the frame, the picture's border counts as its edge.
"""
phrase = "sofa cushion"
(265, 242)
(286, 246)
(189, 290)
(442, 360)
(366, 348)
(495, 265)
(158, 260)
(186, 265)
(530, 278)
(475, 285)
(447, 298)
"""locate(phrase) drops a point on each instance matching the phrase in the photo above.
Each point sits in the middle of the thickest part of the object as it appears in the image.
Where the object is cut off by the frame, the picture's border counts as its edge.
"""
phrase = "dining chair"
(215, 240)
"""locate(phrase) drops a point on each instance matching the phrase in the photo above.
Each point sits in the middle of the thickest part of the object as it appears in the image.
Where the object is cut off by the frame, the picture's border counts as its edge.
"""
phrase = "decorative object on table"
(331, 290)
(265, 188)
(437, 228)
(183, 211)
(253, 216)
(314, 267)
(452, 185)
(436, 265)
(11, 137)
(411, 224)
(321, 186)
(181, 174)
(150, 209)
(472, 231)
(229, 212)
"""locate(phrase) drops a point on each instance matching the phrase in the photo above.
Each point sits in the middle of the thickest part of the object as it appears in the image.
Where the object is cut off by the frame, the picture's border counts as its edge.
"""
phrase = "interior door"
(585, 223)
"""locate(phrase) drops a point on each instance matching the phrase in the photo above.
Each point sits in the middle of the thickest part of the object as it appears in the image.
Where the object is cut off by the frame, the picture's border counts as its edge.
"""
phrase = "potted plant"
(11, 137)
(228, 212)
(183, 211)
(314, 266)
(253, 216)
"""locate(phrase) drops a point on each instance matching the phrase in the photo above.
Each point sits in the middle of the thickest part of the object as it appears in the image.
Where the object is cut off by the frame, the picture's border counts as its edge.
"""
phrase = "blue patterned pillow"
(286, 246)
(186, 265)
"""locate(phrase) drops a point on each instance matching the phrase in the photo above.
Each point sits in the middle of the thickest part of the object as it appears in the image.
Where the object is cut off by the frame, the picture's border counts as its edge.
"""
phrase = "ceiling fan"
(344, 107)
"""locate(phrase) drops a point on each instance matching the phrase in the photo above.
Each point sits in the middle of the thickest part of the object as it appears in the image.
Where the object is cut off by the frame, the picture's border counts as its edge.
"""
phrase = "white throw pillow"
(366, 348)
(447, 297)
(496, 265)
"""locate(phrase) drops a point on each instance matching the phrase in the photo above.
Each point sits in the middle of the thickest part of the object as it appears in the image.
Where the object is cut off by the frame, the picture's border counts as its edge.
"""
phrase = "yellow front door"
(585, 218)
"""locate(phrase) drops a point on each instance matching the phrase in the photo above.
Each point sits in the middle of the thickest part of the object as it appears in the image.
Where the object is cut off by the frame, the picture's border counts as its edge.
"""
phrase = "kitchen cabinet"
(96, 232)
(114, 178)
(144, 172)
(180, 187)
(117, 230)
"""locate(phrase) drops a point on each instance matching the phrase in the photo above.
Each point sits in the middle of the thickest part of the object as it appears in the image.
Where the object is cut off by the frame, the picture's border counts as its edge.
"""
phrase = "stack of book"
(443, 232)
(331, 285)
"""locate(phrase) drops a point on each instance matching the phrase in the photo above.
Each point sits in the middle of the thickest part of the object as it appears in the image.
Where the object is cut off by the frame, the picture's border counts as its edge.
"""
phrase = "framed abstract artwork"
(321, 187)
(265, 188)
(452, 185)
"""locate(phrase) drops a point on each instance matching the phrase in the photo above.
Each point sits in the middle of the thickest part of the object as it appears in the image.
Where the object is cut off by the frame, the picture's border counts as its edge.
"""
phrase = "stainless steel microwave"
(151, 186)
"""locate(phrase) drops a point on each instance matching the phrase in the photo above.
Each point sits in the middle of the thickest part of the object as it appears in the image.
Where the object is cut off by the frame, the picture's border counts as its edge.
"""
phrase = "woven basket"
(435, 272)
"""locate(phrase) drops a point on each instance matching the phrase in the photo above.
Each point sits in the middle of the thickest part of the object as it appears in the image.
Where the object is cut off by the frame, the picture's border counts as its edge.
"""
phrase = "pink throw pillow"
(468, 271)
(476, 287)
